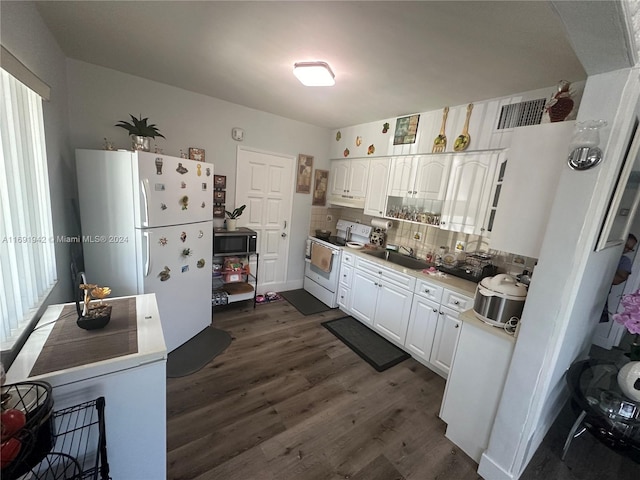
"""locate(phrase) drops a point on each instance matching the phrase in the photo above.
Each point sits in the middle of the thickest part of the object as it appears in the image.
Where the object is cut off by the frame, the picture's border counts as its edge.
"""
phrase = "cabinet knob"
(409, 192)
(426, 290)
(379, 273)
(441, 313)
(482, 229)
(457, 326)
(415, 191)
(435, 310)
(376, 284)
(456, 302)
(441, 223)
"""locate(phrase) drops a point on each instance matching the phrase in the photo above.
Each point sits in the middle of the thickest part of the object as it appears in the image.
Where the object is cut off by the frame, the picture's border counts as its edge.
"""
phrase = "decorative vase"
(141, 143)
(232, 224)
(629, 380)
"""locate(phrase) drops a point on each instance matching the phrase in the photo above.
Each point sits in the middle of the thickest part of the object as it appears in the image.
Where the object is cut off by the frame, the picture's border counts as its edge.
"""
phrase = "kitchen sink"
(399, 259)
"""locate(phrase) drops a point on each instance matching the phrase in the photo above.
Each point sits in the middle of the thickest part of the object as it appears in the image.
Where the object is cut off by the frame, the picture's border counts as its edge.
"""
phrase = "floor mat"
(375, 350)
(306, 303)
(197, 352)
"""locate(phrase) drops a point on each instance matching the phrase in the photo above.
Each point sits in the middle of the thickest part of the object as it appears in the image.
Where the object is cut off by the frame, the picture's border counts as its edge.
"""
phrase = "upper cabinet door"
(468, 193)
(402, 177)
(376, 198)
(339, 177)
(431, 175)
(358, 176)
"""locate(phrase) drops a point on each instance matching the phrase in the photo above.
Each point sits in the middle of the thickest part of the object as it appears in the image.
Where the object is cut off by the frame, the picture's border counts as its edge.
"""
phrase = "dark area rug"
(306, 303)
(375, 350)
(197, 352)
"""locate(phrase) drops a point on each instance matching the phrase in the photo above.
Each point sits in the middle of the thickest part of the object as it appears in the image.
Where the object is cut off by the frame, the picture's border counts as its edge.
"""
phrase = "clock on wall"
(237, 134)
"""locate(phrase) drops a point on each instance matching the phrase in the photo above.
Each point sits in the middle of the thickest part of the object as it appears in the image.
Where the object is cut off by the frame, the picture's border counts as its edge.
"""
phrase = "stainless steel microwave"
(241, 241)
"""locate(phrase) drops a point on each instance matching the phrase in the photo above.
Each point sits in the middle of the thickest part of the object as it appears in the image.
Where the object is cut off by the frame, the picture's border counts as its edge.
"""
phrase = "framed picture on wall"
(218, 211)
(320, 183)
(219, 196)
(303, 178)
(406, 130)
(219, 181)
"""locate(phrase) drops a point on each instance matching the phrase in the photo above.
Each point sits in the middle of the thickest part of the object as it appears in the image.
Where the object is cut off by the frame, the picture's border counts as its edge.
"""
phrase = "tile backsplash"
(422, 238)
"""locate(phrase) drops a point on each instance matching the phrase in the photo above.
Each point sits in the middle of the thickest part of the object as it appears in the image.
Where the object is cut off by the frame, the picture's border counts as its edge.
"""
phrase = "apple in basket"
(11, 421)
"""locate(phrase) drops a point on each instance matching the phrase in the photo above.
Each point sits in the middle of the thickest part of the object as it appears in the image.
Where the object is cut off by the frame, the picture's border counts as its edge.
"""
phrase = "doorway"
(264, 183)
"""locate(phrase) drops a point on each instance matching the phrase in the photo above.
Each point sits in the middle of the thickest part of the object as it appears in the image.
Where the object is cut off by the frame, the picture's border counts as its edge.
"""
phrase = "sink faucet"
(409, 250)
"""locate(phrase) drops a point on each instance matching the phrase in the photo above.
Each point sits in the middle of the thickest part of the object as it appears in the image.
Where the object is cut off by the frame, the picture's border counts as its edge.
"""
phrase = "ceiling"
(390, 58)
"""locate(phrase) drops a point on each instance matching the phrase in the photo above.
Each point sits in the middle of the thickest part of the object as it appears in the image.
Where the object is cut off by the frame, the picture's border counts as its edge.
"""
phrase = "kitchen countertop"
(151, 347)
(456, 284)
(469, 317)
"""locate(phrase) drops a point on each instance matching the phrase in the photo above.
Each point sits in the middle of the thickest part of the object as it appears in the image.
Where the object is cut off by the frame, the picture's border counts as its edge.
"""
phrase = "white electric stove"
(324, 285)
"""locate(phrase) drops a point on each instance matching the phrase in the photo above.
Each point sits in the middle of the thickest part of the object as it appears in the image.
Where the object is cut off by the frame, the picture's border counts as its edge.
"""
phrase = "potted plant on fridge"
(232, 217)
(140, 132)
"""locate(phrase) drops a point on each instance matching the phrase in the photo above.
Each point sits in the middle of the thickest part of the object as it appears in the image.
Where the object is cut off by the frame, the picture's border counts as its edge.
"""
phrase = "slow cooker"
(499, 299)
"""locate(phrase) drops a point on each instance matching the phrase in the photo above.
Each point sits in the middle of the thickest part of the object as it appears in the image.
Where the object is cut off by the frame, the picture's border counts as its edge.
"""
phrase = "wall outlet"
(329, 218)
(417, 235)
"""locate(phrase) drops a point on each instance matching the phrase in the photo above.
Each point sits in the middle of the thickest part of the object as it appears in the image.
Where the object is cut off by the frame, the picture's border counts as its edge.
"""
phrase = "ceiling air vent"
(521, 114)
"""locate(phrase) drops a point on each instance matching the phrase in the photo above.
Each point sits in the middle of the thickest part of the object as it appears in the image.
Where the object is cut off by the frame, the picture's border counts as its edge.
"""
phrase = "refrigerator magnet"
(186, 252)
(185, 268)
(163, 206)
(184, 201)
(163, 241)
(164, 274)
(183, 236)
(159, 187)
(199, 170)
(208, 170)
(159, 165)
(202, 205)
(204, 186)
(200, 263)
(200, 232)
(183, 185)
(181, 169)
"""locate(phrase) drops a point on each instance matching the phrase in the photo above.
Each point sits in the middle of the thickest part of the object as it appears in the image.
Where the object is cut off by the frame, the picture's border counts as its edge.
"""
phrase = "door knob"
(283, 235)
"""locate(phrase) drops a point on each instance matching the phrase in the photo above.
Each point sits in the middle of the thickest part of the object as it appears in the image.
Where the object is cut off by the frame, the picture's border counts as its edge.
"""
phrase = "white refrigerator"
(147, 228)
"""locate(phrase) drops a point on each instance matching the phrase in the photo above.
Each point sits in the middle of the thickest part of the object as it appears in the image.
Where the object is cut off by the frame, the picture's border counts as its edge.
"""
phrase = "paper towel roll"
(381, 223)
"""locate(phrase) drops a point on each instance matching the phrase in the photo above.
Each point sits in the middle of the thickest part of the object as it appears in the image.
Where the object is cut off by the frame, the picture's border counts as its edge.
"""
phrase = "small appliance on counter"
(499, 300)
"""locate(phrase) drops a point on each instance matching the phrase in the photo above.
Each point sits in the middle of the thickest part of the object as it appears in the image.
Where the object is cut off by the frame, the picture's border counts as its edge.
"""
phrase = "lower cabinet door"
(364, 292)
(343, 298)
(392, 312)
(446, 338)
(422, 327)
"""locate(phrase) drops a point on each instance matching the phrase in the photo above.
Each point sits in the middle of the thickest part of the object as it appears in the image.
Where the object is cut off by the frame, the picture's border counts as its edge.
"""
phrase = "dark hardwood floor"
(288, 400)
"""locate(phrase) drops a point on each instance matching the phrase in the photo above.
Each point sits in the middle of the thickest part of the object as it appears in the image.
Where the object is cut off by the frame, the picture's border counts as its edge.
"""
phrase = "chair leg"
(573, 434)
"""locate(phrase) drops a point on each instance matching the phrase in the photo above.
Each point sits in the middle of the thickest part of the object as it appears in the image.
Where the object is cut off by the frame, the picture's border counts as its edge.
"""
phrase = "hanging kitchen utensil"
(463, 140)
(440, 143)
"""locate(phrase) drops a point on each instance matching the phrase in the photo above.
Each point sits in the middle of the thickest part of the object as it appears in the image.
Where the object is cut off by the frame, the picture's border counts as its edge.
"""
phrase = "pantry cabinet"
(381, 298)
(348, 182)
(470, 184)
(376, 199)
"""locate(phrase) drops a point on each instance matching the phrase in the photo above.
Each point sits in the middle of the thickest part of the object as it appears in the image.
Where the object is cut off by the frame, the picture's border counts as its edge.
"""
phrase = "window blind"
(28, 266)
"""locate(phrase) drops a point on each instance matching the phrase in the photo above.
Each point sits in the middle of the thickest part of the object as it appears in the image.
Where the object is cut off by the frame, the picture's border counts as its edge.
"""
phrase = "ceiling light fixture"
(314, 74)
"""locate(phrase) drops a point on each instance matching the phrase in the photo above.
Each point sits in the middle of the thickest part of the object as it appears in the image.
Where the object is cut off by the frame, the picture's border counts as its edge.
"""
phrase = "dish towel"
(321, 257)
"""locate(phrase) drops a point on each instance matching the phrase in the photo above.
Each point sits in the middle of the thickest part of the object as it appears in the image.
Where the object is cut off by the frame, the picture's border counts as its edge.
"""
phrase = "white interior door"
(264, 183)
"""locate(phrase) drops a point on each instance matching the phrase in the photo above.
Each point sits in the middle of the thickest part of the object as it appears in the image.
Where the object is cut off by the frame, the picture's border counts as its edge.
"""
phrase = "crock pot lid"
(504, 284)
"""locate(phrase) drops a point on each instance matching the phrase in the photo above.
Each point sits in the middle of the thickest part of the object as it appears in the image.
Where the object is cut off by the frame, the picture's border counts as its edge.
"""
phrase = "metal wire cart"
(63, 444)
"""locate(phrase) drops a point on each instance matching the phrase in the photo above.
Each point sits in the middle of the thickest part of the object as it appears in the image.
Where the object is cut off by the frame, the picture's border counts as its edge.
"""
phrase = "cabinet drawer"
(386, 274)
(429, 290)
(346, 274)
(347, 258)
(456, 301)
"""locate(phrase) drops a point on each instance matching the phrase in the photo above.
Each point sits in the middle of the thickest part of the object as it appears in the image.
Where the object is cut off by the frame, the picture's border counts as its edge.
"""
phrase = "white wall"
(27, 38)
(100, 97)
(572, 280)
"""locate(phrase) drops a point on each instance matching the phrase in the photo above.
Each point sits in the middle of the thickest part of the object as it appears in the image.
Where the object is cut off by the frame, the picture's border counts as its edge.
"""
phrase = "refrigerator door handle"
(144, 185)
(147, 259)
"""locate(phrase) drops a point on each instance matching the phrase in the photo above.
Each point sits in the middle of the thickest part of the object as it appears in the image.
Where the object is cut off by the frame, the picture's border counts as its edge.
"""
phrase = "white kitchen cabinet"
(475, 384)
(381, 298)
(445, 339)
(537, 157)
(348, 180)
(376, 199)
(346, 279)
(434, 327)
(471, 181)
(419, 176)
